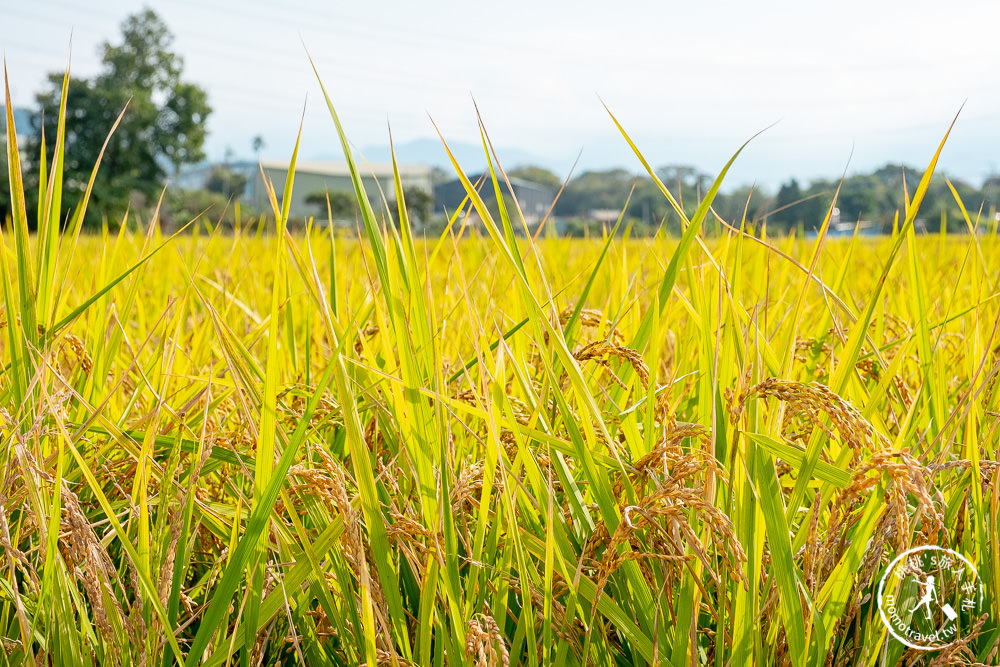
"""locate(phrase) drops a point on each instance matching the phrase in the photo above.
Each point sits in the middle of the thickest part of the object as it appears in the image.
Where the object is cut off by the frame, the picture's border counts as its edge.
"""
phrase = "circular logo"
(930, 597)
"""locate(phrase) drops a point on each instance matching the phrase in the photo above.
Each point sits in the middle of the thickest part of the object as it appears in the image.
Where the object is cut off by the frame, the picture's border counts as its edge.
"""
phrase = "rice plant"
(483, 448)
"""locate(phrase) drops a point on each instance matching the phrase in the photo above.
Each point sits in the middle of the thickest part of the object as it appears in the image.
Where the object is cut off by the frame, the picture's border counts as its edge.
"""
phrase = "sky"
(835, 87)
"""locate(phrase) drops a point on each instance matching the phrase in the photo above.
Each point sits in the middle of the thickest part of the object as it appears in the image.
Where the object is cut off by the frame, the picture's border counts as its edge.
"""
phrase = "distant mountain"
(431, 152)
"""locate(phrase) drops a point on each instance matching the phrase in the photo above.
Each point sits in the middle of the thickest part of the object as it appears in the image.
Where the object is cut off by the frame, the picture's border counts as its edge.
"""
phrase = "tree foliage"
(163, 127)
(342, 205)
(873, 198)
(419, 204)
(223, 180)
(536, 174)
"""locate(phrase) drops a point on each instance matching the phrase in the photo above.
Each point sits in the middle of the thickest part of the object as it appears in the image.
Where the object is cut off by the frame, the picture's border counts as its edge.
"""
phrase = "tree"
(343, 206)
(745, 204)
(815, 203)
(258, 145)
(227, 182)
(682, 176)
(163, 127)
(419, 204)
(991, 192)
(858, 198)
(539, 175)
(784, 215)
(595, 190)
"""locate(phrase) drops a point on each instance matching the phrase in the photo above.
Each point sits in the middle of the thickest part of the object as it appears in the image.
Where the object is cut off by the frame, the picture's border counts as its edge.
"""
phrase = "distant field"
(242, 448)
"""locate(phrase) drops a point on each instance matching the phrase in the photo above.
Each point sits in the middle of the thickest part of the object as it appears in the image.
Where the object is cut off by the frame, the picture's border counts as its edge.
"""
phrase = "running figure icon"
(930, 595)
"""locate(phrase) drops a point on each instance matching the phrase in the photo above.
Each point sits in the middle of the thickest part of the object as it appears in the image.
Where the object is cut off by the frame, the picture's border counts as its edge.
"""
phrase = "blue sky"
(845, 85)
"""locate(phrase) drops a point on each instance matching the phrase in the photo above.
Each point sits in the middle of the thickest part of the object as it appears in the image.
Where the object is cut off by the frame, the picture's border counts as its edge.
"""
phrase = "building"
(22, 125)
(313, 179)
(534, 199)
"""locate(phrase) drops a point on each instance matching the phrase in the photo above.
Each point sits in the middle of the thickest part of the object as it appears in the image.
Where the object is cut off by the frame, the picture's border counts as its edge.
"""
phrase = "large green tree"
(164, 124)
(784, 214)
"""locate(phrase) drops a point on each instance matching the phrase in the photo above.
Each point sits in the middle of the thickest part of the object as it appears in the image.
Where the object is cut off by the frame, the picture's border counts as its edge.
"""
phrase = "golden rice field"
(242, 448)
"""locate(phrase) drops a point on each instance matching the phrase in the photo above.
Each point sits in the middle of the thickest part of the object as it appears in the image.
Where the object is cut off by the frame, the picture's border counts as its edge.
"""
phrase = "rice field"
(263, 447)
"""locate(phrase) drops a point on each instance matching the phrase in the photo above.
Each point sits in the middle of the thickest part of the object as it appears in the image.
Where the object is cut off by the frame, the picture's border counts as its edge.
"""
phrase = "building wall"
(307, 183)
(533, 198)
(311, 178)
(22, 127)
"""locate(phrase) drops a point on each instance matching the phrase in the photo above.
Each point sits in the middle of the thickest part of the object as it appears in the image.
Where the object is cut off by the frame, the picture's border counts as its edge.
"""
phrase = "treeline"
(873, 199)
(162, 126)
